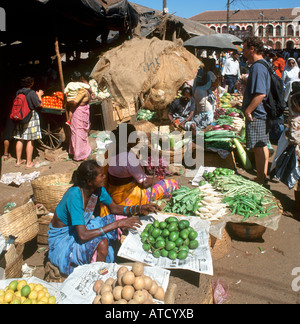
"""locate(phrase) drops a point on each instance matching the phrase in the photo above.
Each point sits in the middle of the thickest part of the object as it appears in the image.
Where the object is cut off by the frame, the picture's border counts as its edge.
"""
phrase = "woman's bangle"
(125, 211)
(131, 213)
(102, 233)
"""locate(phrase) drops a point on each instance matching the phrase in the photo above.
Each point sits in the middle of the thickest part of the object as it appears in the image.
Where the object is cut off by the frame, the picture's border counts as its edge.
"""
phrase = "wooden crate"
(212, 159)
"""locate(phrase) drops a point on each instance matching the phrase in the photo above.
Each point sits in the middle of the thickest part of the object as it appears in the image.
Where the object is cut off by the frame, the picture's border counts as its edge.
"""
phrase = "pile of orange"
(56, 101)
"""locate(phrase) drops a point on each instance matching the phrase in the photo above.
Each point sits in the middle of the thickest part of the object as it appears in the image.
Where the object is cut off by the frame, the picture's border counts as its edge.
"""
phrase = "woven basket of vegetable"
(21, 222)
(49, 190)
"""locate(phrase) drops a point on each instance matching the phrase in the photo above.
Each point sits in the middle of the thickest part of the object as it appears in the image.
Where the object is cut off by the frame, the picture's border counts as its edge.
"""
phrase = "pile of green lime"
(170, 238)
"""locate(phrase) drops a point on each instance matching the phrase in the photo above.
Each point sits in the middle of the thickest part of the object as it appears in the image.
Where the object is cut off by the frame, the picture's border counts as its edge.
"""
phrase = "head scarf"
(292, 72)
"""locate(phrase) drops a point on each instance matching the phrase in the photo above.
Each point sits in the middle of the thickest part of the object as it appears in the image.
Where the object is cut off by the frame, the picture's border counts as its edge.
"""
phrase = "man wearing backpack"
(256, 94)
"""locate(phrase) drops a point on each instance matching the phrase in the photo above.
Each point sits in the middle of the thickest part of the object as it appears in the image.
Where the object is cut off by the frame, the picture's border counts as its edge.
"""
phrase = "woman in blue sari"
(76, 237)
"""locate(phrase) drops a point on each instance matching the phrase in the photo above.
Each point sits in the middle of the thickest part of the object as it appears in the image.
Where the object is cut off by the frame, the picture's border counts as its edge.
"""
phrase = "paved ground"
(253, 277)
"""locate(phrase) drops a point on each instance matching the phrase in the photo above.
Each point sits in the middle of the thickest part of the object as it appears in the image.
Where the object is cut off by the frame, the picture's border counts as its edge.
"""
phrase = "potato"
(109, 281)
(122, 270)
(138, 269)
(121, 301)
(153, 288)
(117, 293)
(128, 278)
(139, 297)
(127, 292)
(97, 300)
(97, 285)
(148, 282)
(160, 294)
(107, 298)
(105, 288)
(139, 283)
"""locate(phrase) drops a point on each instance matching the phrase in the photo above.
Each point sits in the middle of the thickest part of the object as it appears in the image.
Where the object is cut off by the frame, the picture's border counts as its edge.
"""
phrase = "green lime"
(193, 244)
(163, 225)
(156, 224)
(146, 246)
(165, 232)
(182, 255)
(193, 235)
(171, 220)
(184, 234)
(170, 246)
(185, 248)
(157, 254)
(183, 224)
(156, 232)
(164, 253)
(25, 291)
(173, 227)
(172, 255)
(179, 241)
(160, 244)
(13, 285)
(173, 236)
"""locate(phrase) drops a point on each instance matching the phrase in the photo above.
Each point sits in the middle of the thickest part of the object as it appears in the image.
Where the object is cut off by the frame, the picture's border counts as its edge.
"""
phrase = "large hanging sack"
(152, 67)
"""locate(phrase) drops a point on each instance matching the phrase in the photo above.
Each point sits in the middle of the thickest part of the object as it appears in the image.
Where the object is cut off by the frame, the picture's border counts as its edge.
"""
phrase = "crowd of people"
(123, 189)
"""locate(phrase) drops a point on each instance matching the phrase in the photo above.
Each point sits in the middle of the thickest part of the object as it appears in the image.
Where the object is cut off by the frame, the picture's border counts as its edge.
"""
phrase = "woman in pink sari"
(79, 143)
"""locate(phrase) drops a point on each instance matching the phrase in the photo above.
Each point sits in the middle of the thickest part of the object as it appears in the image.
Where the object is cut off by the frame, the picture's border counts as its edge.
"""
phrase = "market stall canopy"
(234, 40)
(210, 43)
(76, 23)
(152, 19)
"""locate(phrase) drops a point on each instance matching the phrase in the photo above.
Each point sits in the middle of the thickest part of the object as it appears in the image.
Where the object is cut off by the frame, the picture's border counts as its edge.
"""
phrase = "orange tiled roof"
(247, 15)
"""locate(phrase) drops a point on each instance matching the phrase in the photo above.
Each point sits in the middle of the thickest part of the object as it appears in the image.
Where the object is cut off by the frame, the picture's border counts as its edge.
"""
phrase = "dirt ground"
(253, 277)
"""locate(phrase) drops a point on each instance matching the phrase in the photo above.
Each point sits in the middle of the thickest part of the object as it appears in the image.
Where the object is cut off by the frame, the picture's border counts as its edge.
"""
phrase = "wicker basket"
(220, 248)
(21, 222)
(44, 222)
(246, 231)
(49, 190)
(12, 261)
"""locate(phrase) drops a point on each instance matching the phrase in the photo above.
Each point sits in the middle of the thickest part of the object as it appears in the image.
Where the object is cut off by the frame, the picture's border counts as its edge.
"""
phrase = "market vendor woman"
(183, 110)
(76, 237)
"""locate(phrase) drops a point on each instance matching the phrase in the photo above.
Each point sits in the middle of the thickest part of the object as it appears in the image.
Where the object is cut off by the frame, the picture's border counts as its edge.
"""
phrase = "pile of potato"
(130, 287)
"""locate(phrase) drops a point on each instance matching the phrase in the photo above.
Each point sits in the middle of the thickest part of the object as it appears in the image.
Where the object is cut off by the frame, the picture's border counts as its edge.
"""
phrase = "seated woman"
(127, 182)
(76, 237)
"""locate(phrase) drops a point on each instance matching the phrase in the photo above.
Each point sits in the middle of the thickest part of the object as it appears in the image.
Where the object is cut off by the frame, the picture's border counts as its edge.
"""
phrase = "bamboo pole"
(60, 70)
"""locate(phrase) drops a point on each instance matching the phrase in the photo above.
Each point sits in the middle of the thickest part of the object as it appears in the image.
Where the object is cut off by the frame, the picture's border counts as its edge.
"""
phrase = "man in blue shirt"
(256, 93)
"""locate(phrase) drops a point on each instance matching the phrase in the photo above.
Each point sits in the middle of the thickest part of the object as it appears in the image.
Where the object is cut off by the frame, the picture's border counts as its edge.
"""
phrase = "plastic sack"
(220, 289)
(287, 170)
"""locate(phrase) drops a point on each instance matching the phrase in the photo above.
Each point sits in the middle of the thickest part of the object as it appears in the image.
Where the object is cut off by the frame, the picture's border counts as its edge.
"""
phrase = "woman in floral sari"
(127, 182)
(76, 237)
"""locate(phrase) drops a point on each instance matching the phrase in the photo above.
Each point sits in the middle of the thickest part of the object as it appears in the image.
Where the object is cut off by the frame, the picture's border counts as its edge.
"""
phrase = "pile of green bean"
(231, 185)
(248, 206)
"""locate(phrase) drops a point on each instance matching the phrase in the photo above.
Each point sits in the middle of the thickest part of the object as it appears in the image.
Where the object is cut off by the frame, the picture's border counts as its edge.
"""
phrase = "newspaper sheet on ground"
(78, 287)
(199, 260)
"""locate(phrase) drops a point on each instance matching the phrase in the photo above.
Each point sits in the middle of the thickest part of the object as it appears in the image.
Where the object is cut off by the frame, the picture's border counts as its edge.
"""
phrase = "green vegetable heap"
(210, 177)
(170, 238)
(185, 201)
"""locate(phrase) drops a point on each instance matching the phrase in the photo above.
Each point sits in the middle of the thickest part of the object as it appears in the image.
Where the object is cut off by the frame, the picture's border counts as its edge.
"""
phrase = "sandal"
(6, 157)
(22, 163)
(34, 164)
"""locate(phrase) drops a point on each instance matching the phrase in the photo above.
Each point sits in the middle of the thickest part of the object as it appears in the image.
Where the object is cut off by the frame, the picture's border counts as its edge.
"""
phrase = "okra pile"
(170, 238)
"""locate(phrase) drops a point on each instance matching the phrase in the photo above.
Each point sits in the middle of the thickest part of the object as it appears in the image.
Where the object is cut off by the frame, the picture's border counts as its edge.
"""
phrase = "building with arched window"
(278, 28)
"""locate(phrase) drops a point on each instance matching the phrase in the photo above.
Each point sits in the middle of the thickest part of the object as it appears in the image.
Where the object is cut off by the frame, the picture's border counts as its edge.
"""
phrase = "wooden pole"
(60, 71)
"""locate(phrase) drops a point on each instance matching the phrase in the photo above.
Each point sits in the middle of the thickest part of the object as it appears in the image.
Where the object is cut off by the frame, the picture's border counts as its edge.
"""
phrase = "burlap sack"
(152, 67)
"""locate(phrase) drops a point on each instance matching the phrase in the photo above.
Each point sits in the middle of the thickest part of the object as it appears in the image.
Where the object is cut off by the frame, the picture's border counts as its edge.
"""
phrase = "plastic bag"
(220, 289)
(287, 170)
